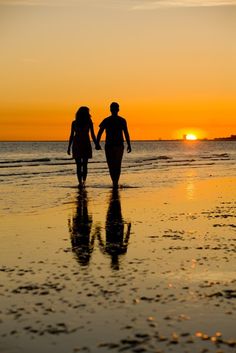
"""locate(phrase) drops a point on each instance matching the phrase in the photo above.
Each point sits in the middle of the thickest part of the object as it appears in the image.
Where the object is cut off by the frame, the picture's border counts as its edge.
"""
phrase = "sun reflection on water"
(190, 190)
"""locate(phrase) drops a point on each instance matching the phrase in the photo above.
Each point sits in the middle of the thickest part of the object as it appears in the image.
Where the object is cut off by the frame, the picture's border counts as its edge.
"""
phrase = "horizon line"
(135, 140)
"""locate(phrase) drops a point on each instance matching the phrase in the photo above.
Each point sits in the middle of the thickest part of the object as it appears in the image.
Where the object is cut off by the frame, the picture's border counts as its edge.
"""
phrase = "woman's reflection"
(80, 229)
(116, 238)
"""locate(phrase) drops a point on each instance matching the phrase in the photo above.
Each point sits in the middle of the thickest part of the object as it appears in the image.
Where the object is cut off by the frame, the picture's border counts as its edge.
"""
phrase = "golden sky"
(169, 63)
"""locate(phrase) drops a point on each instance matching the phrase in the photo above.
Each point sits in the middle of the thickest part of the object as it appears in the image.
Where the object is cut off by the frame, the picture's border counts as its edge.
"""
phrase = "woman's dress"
(81, 146)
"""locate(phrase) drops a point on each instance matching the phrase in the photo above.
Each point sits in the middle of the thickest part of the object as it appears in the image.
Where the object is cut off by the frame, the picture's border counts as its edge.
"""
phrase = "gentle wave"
(26, 160)
(65, 161)
(155, 162)
(221, 156)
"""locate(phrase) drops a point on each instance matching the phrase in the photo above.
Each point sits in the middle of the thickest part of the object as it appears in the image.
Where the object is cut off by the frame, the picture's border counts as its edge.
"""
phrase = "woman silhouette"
(81, 129)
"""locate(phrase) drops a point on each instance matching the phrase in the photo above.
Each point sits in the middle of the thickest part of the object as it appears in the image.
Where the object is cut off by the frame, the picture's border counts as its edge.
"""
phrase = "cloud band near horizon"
(133, 4)
(157, 4)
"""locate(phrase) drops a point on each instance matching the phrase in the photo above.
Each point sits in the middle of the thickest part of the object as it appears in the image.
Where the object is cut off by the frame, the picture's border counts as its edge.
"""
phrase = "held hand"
(129, 149)
(98, 147)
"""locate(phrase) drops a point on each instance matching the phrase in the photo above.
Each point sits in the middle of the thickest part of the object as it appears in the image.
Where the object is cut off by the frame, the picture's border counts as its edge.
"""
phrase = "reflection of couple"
(81, 129)
(82, 236)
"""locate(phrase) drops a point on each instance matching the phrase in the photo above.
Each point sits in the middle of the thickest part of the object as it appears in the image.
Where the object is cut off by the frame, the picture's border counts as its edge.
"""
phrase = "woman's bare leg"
(84, 169)
(79, 170)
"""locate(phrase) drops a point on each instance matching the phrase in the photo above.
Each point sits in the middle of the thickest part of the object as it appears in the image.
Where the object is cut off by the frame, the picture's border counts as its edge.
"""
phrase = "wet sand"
(143, 270)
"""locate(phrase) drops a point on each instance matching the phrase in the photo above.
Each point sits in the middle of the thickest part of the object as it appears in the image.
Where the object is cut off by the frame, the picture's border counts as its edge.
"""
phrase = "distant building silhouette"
(229, 138)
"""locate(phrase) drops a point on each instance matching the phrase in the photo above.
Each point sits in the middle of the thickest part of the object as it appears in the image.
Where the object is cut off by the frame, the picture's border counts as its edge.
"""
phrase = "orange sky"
(171, 68)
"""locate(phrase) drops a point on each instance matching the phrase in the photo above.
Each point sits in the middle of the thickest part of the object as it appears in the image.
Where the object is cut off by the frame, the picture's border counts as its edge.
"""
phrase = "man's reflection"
(80, 228)
(116, 237)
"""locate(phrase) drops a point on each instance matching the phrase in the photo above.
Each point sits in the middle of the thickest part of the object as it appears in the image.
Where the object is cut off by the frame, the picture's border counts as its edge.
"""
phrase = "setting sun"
(191, 137)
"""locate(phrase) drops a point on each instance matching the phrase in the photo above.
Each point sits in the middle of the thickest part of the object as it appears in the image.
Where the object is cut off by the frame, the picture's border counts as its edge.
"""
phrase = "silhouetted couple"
(116, 129)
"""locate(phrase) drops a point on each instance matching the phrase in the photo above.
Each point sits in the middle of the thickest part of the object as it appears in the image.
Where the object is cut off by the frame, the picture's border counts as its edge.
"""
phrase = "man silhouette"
(116, 129)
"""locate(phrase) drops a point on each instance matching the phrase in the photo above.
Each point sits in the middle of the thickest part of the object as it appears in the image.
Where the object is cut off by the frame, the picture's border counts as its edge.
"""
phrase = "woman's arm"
(93, 134)
(71, 138)
(100, 132)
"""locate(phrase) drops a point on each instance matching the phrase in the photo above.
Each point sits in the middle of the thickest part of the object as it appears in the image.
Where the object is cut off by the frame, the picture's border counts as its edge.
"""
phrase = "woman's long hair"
(82, 116)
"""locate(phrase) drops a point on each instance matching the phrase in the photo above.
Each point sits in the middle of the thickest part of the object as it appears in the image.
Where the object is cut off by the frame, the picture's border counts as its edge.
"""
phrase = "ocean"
(28, 160)
(45, 167)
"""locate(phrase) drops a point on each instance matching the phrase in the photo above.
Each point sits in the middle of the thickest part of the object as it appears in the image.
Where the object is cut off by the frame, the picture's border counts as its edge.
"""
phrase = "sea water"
(19, 160)
(44, 168)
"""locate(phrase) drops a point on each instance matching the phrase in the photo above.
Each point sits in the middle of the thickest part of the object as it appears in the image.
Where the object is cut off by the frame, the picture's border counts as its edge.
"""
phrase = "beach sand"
(149, 269)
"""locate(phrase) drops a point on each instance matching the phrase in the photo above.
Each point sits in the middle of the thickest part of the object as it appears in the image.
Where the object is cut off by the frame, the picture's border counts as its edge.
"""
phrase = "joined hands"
(98, 147)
